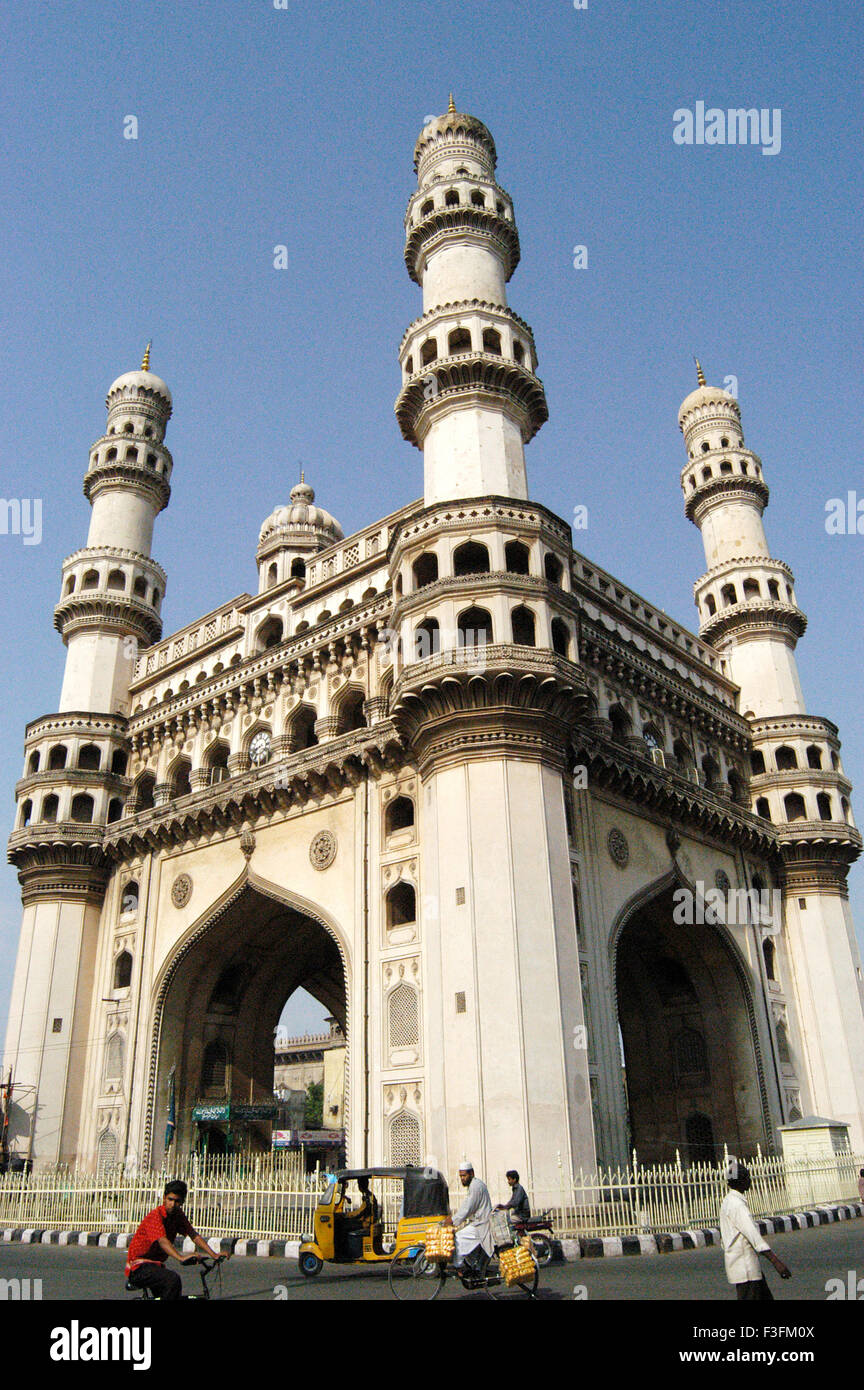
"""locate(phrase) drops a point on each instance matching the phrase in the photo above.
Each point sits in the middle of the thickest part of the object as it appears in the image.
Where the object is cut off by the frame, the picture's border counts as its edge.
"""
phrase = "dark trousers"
(755, 1291)
(162, 1282)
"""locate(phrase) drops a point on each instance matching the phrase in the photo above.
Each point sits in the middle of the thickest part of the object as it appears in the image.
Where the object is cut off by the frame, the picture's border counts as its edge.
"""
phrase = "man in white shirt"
(471, 1221)
(742, 1243)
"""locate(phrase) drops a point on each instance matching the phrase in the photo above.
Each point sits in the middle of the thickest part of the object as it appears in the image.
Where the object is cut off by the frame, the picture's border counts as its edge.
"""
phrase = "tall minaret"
(748, 611)
(112, 590)
(470, 398)
(75, 780)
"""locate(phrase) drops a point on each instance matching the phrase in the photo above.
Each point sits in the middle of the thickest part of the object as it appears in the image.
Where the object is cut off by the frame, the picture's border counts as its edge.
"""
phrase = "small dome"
(448, 124)
(139, 381)
(708, 396)
(301, 517)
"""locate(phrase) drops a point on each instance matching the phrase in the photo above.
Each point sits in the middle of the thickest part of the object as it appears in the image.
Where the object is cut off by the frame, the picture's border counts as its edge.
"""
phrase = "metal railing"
(270, 1197)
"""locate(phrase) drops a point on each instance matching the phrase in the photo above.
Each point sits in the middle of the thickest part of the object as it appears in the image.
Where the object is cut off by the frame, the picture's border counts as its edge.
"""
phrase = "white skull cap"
(466, 1166)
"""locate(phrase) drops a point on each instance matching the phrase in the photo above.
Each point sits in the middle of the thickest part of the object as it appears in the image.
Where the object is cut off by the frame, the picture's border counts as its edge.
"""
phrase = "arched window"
(89, 758)
(757, 762)
(427, 639)
(405, 1140)
(269, 634)
(560, 637)
(769, 956)
(427, 208)
(123, 971)
(142, 794)
(653, 740)
(474, 627)
(522, 622)
(90, 580)
(82, 809)
(425, 569)
(50, 807)
(736, 785)
(26, 814)
(116, 579)
(620, 721)
(428, 352)
(129, 900)
(552, 568)
(751, 588)
(401, 905)
(710, 771)
(728, 595)
(139, 587)
(459, 341)
(351, 714)
(216, 763)
(684, 757)
(846, 809)
(70, 585)
(178, 779)
(451, 198)
(689, 1053)
(33, 764)
(814, 757)
(795, 807)
(114, 1056)
(214, 1068)
(786, 759)
(492, 341)
(710, 605)
(783, 1051)
(298, 568)
(119, 761)
(774, 588)
(518, 351)
(762, 808)
(115, 810)
(57, 757)
(403, 1017)
(516, 557)
(271, 575)
(303, 733)
(823, 803)
(399, 815)
(470, 558)
(477, 198)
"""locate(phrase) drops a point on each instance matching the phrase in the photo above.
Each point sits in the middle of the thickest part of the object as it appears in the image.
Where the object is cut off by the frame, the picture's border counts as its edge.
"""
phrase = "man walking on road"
(742, 1243)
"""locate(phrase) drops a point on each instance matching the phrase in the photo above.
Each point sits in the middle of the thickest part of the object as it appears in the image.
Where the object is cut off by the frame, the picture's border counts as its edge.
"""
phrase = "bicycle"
(206, 1266)
(415, 1277)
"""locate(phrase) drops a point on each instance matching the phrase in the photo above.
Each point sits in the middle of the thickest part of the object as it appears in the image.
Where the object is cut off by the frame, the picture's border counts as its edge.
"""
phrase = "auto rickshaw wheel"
(310, 1264)
(414, 1278)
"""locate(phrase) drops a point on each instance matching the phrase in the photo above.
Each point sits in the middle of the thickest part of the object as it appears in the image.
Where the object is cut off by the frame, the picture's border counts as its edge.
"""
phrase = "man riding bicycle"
(153, 1244)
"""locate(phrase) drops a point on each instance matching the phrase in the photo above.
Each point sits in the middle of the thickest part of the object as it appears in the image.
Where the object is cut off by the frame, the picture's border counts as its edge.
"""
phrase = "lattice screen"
(107, 1149)
(403, 1016)
(114, 1058)
(405, 1140)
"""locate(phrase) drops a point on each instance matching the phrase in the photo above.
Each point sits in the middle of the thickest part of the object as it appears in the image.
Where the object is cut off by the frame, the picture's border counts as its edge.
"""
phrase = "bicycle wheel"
(541, 1248)
(412, 1277)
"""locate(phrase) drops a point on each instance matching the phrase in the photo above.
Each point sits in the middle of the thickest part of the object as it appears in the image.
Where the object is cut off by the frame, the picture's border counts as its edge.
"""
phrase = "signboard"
(210, 1112)
(222, 1111)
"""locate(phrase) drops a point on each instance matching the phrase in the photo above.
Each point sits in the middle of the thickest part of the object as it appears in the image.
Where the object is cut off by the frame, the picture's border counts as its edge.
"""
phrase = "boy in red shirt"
(153, 1243)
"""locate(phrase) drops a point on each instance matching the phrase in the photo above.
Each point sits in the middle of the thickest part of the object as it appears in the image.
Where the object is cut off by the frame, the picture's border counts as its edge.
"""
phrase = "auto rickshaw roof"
(345, 1174)
(425, 1189)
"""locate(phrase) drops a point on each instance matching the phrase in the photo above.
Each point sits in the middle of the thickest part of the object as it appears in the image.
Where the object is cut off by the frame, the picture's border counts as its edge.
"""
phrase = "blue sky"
(259, 127)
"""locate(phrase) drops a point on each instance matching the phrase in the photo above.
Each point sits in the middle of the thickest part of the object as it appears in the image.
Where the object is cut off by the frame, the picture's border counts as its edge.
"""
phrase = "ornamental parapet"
(479, 374)
(127, 474)
(757, 616)
(725, 487)
(111, 611)
(436, 229)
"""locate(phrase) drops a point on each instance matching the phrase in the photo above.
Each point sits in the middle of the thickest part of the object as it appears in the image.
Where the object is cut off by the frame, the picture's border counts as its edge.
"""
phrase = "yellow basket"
(517, 1264)
(440, 1242)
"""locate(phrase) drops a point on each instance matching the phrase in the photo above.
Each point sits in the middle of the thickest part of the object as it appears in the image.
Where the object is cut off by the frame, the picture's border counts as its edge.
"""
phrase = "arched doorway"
(692, 1062)
(216, 1014)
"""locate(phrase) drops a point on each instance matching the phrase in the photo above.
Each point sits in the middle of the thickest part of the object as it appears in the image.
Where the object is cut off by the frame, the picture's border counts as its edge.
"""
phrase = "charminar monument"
(508, 822)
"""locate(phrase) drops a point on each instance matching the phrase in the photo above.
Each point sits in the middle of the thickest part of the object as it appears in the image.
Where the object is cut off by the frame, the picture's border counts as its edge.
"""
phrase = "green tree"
(313, 1114)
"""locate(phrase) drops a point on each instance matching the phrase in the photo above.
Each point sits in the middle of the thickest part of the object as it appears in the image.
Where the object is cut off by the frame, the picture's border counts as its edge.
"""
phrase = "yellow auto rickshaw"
(349, 1234)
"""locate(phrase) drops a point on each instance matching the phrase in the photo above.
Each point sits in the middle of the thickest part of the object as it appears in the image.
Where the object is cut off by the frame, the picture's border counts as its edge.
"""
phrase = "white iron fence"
(269, 1197)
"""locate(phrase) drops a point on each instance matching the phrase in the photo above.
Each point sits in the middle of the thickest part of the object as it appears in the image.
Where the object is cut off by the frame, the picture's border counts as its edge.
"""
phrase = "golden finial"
(145, 361)
(700, 375)
(451, 109)
(302, 473)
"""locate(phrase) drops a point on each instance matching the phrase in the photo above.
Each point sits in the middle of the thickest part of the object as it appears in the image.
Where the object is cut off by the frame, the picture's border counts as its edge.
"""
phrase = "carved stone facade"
(449, 776)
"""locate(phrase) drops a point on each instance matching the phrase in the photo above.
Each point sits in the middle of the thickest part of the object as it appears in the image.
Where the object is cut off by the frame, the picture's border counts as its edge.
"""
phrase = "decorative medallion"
(181, 890)
(721, 881)
(322, 850)
(619, 850)
(247, 842)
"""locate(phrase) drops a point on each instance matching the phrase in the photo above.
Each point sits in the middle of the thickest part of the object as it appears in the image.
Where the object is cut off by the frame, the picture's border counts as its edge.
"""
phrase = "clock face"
(259, 748)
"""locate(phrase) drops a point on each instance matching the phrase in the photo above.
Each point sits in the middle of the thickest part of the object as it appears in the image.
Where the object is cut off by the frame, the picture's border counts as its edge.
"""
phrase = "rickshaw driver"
(474, 1244)
(366, 1215)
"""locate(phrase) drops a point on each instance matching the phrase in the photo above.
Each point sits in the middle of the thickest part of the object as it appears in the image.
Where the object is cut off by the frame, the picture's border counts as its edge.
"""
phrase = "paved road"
(814, 1256)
